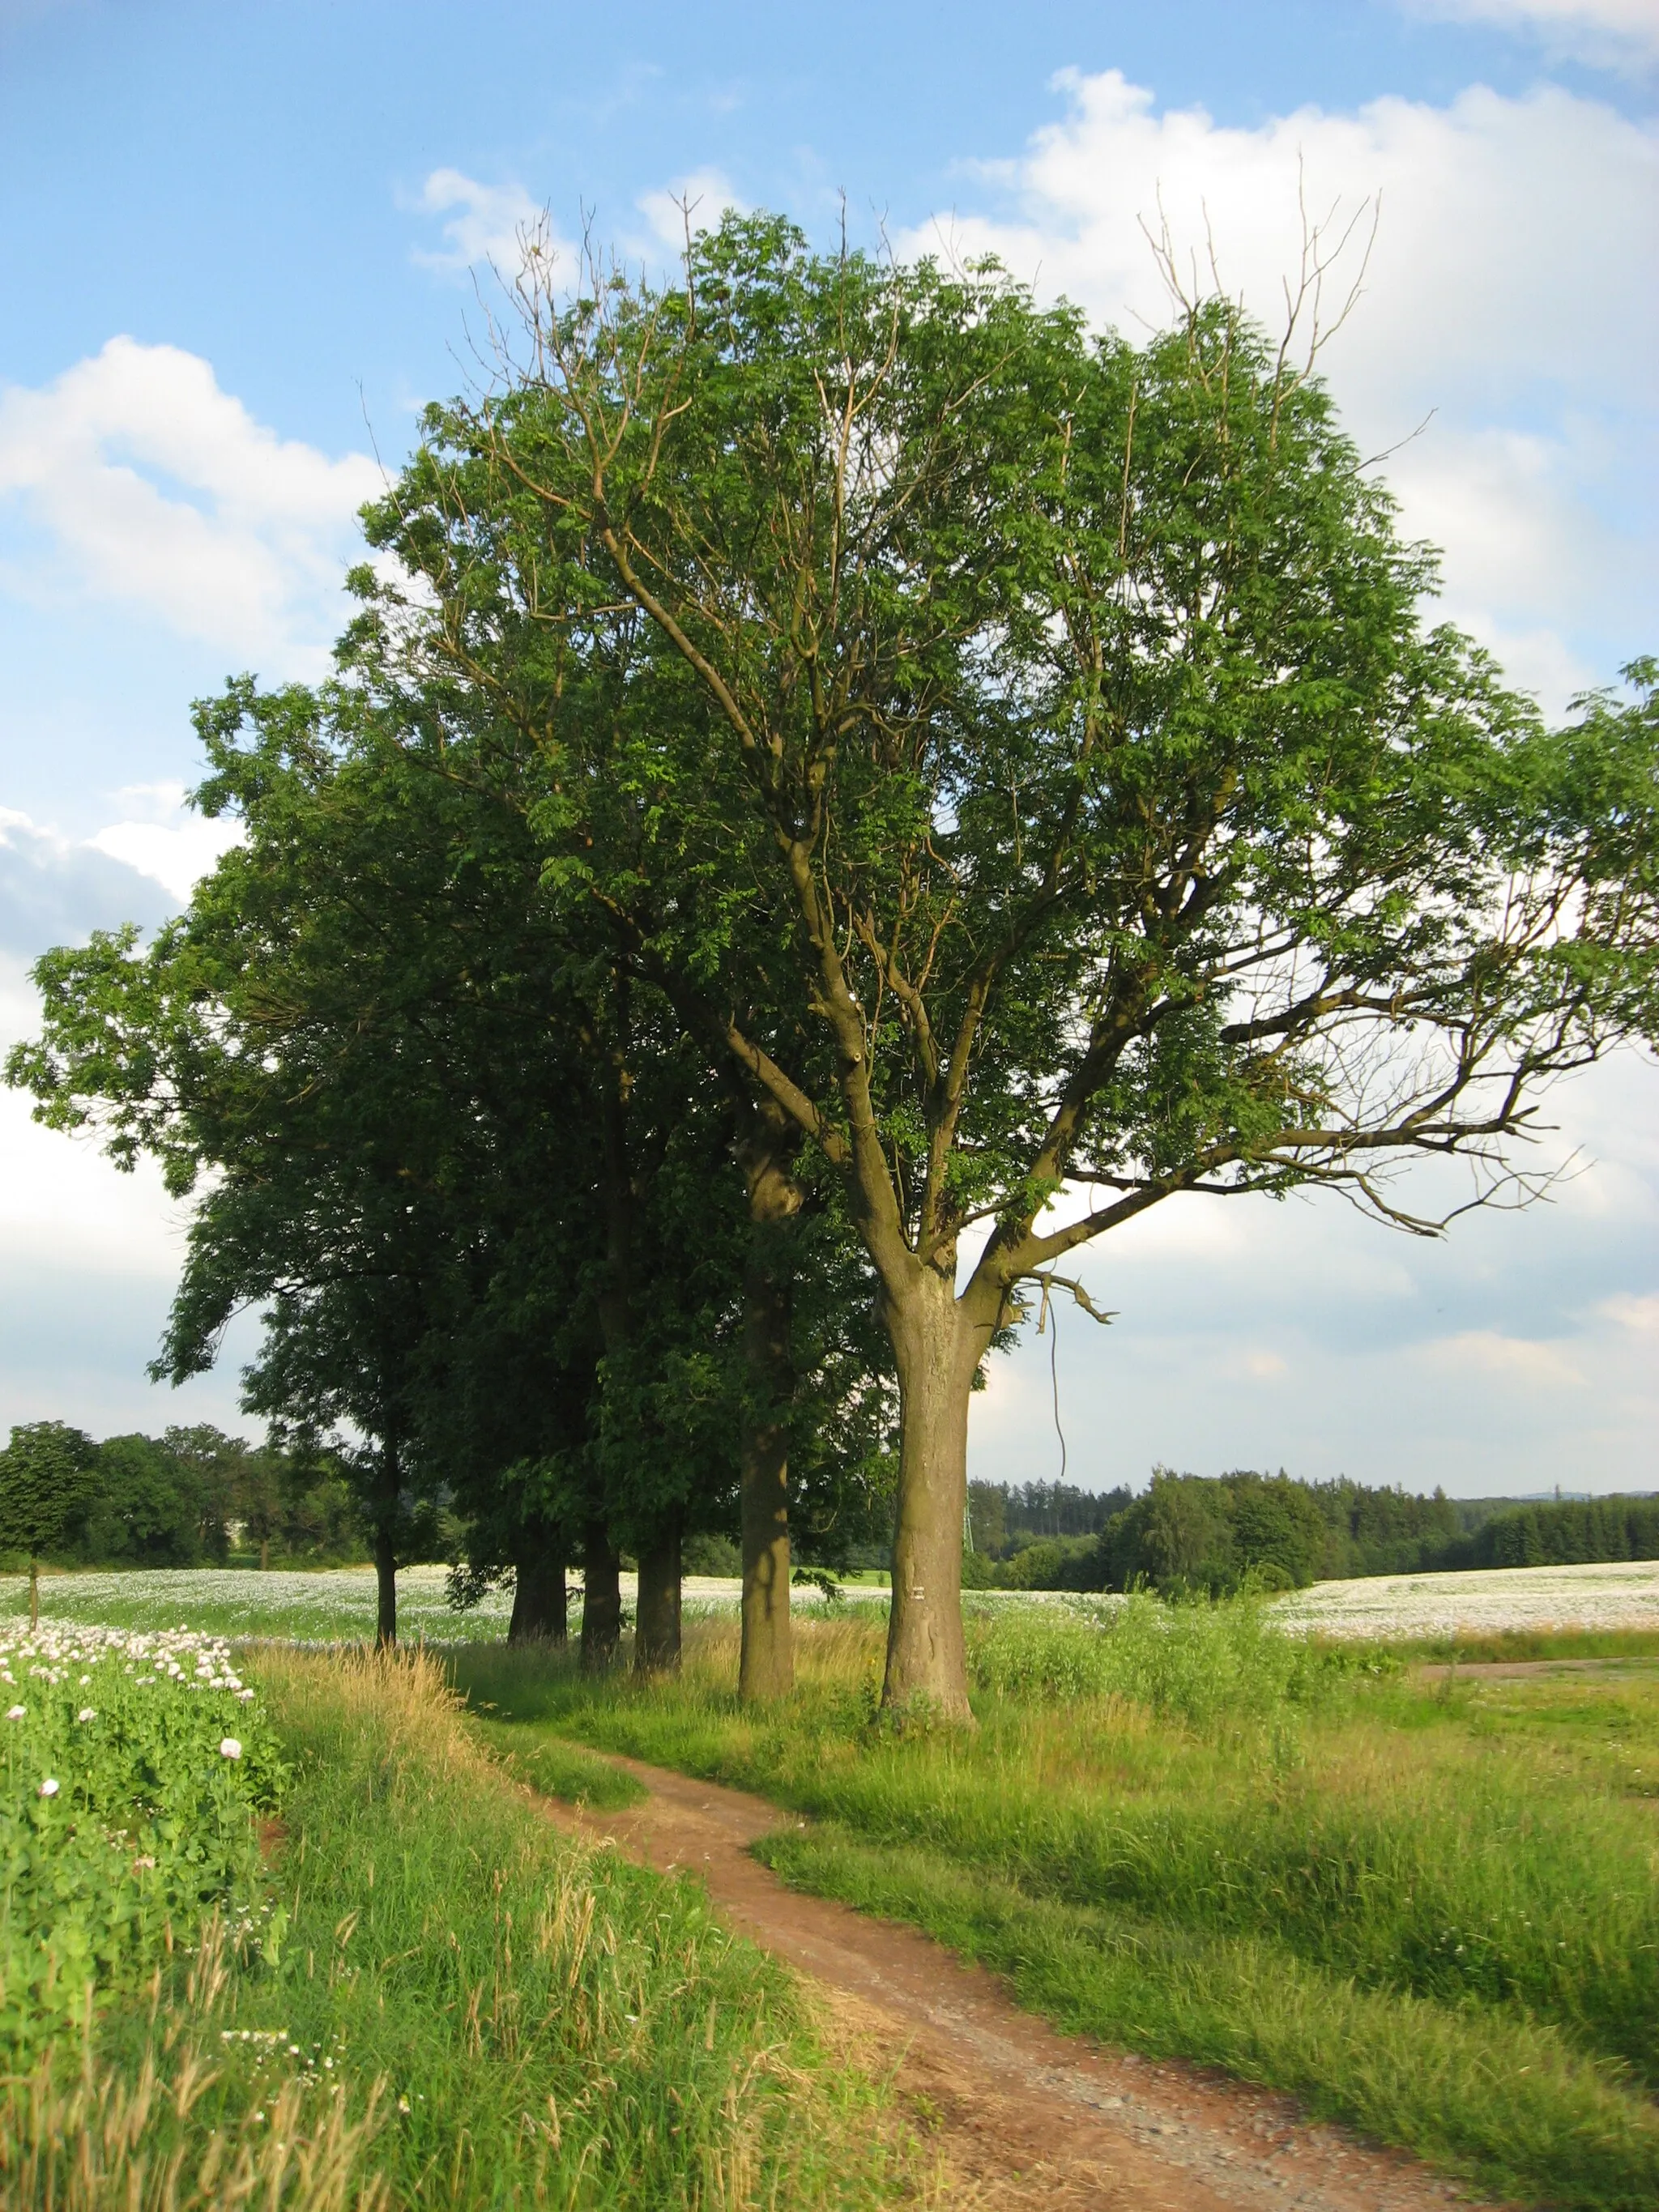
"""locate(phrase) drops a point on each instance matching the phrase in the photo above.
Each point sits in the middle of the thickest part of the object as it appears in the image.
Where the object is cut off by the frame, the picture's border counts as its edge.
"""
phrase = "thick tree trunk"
(657, 1618)
(385, 1547)
(601, 1599)
(767, 1666)
(937, 1350)
(265, 1555)
(540, 1602)
(386, 1585)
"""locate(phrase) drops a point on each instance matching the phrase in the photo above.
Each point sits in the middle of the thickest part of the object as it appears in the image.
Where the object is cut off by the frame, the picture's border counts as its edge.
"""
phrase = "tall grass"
(467, 2008)
(1183, 1831)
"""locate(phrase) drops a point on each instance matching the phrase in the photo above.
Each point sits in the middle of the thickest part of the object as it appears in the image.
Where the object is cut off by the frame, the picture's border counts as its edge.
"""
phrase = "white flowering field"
(317, 1606)
(320, 1607)
(131, 1768)
(1623, 1594)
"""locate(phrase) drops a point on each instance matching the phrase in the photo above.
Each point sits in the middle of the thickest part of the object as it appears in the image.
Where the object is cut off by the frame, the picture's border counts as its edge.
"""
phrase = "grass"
(1426, 1909)
(467, 2008)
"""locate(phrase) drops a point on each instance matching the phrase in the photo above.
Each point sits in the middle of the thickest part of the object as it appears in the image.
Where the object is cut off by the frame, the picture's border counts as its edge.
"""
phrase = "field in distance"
(336, 1604)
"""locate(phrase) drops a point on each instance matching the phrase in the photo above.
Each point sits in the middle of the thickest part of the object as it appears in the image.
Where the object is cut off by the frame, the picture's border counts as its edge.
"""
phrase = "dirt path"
(1483, 1669)
(1022, 2117)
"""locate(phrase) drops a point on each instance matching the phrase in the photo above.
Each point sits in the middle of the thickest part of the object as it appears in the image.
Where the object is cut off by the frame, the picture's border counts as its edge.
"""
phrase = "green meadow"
(1427, 1909)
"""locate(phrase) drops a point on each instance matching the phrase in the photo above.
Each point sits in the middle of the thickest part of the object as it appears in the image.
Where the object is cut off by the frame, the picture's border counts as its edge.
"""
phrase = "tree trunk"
(35, 1595)
(657, 1617)
(767, 1666)
(264, 1554)
(540, 1602)
(385, 1583)
(938, 1350)
(385, 1547)
(601, 1599)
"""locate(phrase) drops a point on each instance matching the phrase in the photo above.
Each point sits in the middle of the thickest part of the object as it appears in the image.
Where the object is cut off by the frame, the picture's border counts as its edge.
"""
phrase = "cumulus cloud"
(88, 1257)
(52, 892)
(1502, 300)
(1611, 33)
(486, 225)
(133, 478)
(163, 839)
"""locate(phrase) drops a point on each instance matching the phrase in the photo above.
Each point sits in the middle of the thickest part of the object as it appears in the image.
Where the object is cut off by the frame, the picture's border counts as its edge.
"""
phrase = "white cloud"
(1637, 1313)
(488, 224)
(151, 487)
(1504, 295)
(163, 839)
(1484, 1352)
(1611, 32)
(53, 892)
(704, 196)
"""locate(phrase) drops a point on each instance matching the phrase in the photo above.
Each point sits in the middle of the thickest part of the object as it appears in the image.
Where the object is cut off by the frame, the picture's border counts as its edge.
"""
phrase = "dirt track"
(1022, 2117)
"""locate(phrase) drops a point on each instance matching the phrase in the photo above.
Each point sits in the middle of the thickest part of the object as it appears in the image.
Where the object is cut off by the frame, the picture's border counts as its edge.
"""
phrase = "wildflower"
(229, 1748)
(243, 1697)
(16, 1712)
(144, 1860)
(48, 1788)
(87, 1713)
(403, 2105)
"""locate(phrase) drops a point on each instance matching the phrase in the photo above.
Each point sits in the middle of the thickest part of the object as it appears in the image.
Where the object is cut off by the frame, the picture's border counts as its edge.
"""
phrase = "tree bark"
(937, 1348)
(657, 1617)
(386, 1584)
(601, 1599)
(385, 1547)
(540, 1602)
(766, 1667)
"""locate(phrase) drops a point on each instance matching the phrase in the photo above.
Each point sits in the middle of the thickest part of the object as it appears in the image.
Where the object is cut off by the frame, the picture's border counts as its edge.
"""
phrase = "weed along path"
(1022, 2117)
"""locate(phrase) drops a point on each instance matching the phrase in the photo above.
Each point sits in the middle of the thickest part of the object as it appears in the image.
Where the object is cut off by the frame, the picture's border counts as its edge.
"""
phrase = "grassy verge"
(1426, 1909)
(466, 2008)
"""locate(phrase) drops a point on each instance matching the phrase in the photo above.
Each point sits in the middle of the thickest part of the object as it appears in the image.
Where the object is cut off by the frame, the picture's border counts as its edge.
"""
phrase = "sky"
(240, 245)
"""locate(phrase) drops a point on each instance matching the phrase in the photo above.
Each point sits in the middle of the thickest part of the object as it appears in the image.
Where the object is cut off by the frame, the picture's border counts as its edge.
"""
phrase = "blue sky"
(240, 246)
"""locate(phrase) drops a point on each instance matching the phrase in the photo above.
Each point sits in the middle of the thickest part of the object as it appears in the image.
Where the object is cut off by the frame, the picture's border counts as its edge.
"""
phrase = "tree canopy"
(972, 777)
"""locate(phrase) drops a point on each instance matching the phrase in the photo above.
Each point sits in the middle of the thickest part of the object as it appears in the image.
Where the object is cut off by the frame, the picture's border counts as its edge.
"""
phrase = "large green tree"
(45, 1483)
(1024, 752)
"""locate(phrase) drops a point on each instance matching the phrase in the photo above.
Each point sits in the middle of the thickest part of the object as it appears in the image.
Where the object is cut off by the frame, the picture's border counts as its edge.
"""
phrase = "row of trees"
(189, 1498)
(845, 786)
(1188, 1534)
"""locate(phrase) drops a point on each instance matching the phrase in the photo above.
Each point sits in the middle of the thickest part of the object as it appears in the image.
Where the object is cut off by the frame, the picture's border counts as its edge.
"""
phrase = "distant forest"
(196, 1497)
(1209, 1533)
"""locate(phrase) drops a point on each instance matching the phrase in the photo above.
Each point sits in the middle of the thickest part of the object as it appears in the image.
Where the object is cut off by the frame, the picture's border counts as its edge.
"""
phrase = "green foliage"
(44, 1481)
(1566, 1532)
(122, 1820)
(443, 1937)
(1511, 2106)
(1429, 1914)
(1213, 1666)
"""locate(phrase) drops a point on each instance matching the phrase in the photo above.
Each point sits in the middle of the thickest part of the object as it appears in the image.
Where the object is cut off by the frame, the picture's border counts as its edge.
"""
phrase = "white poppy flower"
(48, 1788)
(229, 1748)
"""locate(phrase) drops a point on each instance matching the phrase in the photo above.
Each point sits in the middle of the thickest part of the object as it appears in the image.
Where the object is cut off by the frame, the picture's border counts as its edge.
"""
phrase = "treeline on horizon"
(194, 1497)
(1202, 1534)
